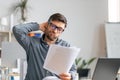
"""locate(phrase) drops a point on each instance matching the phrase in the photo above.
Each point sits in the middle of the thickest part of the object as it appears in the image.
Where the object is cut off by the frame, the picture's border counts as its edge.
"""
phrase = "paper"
(60, 59)
(51, 78)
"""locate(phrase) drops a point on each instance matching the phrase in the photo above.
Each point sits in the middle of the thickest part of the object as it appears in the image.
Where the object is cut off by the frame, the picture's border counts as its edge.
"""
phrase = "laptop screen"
(106, 69)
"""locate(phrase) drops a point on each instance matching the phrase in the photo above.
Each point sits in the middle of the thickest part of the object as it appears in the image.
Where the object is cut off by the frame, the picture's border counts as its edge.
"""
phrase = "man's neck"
(49, 41)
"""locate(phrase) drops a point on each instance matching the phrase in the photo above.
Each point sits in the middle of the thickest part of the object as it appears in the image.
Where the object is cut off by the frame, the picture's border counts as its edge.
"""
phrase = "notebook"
(106, 69)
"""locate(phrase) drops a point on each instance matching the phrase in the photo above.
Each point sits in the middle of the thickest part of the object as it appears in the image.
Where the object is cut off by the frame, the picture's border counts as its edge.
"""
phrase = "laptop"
(106, 69)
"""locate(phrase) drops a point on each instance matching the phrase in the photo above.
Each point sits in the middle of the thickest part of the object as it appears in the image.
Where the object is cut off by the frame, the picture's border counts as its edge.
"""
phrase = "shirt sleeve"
(73, 72)
(21, 33)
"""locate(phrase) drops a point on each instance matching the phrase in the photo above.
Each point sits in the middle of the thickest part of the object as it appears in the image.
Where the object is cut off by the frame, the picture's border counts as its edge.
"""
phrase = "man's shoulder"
(63, 43)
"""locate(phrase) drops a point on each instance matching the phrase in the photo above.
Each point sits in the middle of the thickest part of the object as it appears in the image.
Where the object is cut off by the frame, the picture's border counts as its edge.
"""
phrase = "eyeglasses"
(54, 27)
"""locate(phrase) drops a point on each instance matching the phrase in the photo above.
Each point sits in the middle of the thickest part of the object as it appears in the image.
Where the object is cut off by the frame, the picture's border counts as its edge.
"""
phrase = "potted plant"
(83, 66)
(22, 8)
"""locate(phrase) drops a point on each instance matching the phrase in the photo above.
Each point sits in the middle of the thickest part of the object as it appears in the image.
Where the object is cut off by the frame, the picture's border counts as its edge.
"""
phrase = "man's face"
(54, 30)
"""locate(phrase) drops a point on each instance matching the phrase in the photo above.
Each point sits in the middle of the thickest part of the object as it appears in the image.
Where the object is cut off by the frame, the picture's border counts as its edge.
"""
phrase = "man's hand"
(65, 76)
(43, 26)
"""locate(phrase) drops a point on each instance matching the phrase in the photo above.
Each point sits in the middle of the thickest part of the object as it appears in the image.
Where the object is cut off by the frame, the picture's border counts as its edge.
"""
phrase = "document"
(59, 59)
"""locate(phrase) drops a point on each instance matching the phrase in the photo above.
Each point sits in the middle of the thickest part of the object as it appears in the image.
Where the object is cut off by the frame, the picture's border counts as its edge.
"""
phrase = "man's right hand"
(43, 26)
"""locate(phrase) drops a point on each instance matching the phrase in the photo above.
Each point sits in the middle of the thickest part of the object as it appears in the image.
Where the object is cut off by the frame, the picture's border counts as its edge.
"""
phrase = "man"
(37, 48)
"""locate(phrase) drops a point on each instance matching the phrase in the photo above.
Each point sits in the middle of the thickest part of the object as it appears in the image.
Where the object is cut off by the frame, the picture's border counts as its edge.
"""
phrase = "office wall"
(113, 40)
(86, 19)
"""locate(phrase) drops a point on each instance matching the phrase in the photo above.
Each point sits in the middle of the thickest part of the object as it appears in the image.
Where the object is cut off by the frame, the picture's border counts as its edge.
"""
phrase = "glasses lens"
(53, 27)
(60, 29)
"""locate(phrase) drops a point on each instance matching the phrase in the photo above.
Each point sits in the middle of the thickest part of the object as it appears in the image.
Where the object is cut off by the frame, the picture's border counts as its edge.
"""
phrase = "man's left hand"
(65, 76)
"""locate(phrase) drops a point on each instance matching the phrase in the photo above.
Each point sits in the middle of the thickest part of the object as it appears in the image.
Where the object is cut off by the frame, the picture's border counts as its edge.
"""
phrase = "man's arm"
(73, 72)
(21, 32)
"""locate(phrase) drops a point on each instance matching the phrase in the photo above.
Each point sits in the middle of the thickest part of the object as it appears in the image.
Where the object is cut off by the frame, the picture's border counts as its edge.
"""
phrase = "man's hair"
(57, 17)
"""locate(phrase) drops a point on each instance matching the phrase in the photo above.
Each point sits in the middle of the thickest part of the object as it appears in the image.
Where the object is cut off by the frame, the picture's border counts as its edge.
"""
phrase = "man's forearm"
(26, 28)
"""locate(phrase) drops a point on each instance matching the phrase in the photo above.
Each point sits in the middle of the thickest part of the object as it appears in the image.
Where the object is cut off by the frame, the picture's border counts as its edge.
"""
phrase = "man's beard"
(50, 38)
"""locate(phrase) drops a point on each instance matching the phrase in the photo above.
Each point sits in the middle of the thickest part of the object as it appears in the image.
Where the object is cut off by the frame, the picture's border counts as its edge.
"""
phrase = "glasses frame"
(54, 27)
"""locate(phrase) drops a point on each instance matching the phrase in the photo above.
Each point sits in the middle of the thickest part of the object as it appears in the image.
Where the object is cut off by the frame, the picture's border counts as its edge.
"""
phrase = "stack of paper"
(60, 59)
